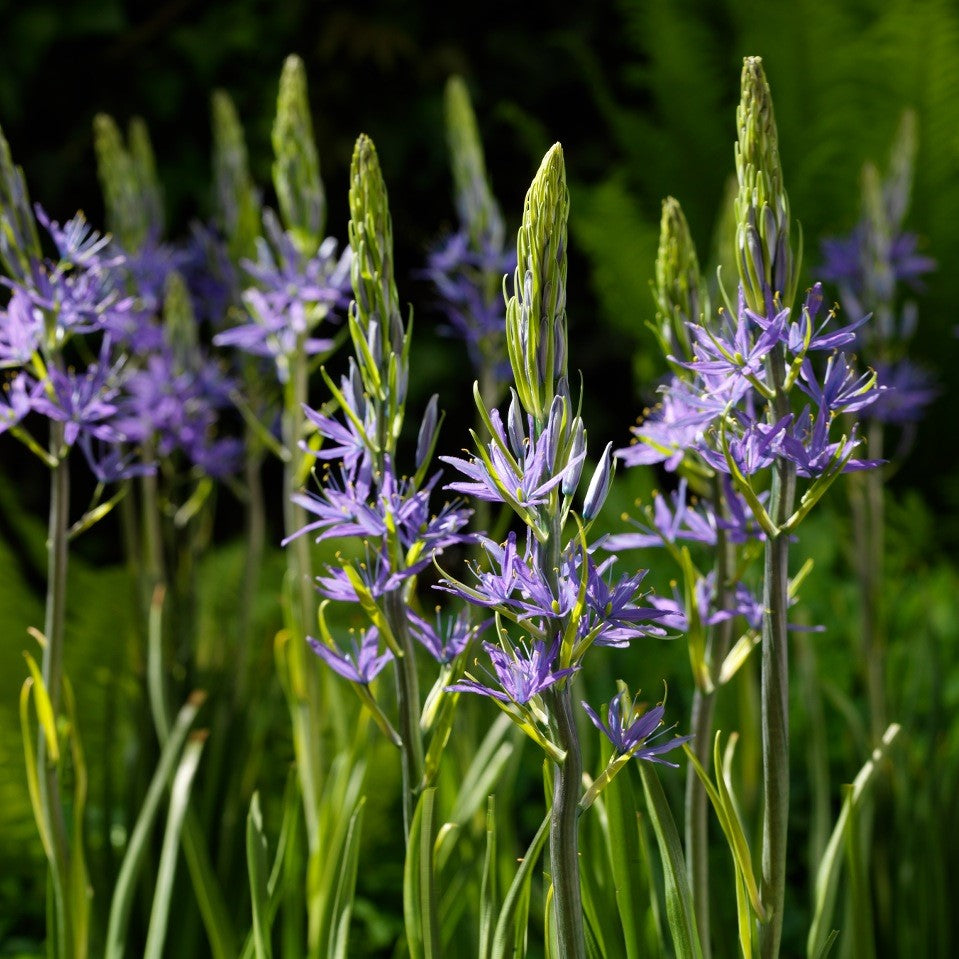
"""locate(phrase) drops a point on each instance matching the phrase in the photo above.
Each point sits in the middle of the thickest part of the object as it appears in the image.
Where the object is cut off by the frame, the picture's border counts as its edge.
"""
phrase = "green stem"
(564, 831)
(52, 670)
(408, 707)
(255, 539)
(775, 686)
(701, 727)
(303, 673)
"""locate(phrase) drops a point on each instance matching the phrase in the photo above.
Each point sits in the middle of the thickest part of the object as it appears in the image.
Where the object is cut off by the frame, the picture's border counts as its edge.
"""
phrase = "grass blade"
(136, 848)
(346, 887)
(679, 905)
(256, 851)
(419, 894)
(516, 902)
(827, 877)
(179, 799)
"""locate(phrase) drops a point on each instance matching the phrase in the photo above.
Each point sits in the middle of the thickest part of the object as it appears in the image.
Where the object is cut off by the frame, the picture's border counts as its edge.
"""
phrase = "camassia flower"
(514, 468)
(521, 672)
(362, 663)
(632, 731)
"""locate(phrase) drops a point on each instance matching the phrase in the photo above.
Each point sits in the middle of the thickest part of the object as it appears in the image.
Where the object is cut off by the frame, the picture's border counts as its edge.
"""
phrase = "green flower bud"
(679, 289)
(19, 241)
(145, 174)
(477, 207)
(296, 170)
(376, 309)
(598, 488)
(179, 321)
(902, 160)
(236, 201)
(768, 267)
(536, 313)
(126, 218)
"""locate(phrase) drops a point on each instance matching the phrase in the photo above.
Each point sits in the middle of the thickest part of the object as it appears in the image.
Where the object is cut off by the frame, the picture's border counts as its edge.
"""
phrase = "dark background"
(641, 94)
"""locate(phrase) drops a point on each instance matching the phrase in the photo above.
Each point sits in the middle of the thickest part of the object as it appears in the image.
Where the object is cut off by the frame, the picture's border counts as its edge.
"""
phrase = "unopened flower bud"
(537, 349)
(475, 204)
(514, 427)
(236, 199)
(577, 449)
(296, 168)
(424, 442)
(599, 485)
(19, 241)
(679, 289)
(768, 266)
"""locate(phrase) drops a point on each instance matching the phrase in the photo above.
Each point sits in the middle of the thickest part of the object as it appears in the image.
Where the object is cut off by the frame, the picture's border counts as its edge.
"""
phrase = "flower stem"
(304, 703)
(774, 684)
(52, 671)
(564, 833)
(408, 707)
(701, 727)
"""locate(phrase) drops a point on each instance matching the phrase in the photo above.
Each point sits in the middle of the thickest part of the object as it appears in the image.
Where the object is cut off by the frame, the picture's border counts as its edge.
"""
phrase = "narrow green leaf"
(124, 890)
(679, 905)
(624, 857)
(419, 894)
(506, 941)
(179, 799)
(487, 910)
(827, 876)
(44, 707)
(30, 760)
(256, 864)
(342, 909)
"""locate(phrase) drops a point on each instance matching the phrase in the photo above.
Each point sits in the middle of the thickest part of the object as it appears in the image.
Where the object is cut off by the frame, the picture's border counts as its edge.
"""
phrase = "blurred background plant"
(643, 97)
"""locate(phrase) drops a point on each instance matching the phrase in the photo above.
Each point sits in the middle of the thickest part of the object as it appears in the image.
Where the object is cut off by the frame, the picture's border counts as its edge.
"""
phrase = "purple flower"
(906, 390)
(374, 571)
(470, 287)
(16, 399)
(292, 296)
(21, 330)
(362, 663)
(445, 640)
(841, 390)
(734, 352)
(632, 731)
(521, 673)
(674, 426)
(794, 335)
(756, 448)
(613, 617)
(515, 469)
(83, 402)
(357, 505)
(806, 444)
(175, 408)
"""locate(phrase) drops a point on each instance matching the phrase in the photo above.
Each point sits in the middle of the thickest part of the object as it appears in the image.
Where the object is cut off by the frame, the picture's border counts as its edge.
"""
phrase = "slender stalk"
(701, 727)
(868, 506)
(408, 707)
(564, 831)
(775, 686)
(303, 673)
(255, 539)
(52, 670)
(567, 790)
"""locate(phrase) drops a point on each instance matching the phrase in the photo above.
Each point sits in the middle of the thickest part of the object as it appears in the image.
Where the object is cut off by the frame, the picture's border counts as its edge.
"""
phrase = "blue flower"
(632, 731)
(521, 673)
(362, 663)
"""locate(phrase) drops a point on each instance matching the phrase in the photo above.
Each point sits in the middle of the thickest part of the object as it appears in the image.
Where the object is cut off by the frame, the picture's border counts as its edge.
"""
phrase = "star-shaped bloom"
(362, 663)
(521, 673)
(633, 732)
